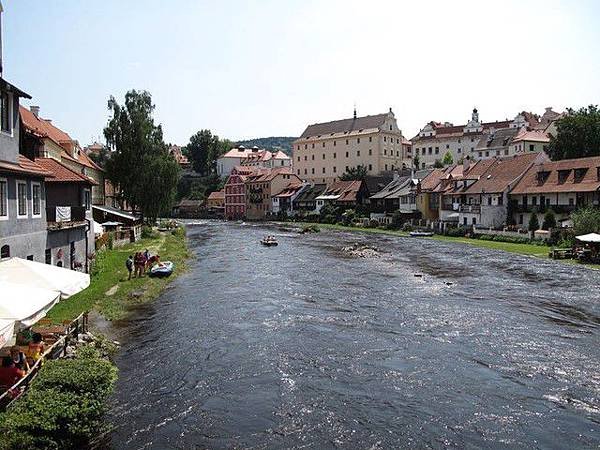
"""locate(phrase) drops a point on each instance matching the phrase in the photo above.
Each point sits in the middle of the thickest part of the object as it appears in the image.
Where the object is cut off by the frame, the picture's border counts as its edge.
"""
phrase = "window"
(459, 141)
(358, 140)
(298, 159)
(29, 257)
(370, 151)
(313, 170)
(3, 199)
(370, 138)
(305, 146)
(334, 143)
(472, 149)
(305, 157)
(563, 175)
(357, 152)
(323, 169)
(346, 154)
(472, 140)
(533, 201)
(437, 150)
(334, 155)
(36, 202)
(571, 202)
(323, 155)
(459, 150)
(531, 147)
(313, 145)
(384, 139)
(480, 154)
(520, 219)
(487, 153)
(474, 221)
(506, 151)
(5, 252)
(334, 169)
(390, 128)
(298, 147)
(489, 200)
(21, 199)
(305, 171)
(384, 151)
(323, 144)
(430, 150)
(386, 167)
(48, 256)
(5, 113)
(298, 171)
(370, 167)
(579, 174)
(312, 157)
(346, 141)
(447, 145)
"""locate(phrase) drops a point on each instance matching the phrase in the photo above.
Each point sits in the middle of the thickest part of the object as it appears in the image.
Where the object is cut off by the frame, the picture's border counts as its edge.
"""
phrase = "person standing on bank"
(129, 265)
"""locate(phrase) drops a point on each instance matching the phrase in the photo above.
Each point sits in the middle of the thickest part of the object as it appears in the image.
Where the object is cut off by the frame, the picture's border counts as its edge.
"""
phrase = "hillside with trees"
(283, 143)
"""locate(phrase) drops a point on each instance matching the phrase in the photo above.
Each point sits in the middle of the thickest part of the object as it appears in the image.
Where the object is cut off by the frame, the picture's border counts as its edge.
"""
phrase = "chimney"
(35, 111)
(355, 112)
(466, 164)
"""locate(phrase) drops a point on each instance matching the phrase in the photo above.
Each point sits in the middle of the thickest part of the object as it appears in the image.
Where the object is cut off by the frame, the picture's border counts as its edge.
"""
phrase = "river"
(303, 346)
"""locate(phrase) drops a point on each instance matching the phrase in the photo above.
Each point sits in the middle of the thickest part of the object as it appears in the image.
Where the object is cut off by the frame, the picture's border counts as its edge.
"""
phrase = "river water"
(302, 346)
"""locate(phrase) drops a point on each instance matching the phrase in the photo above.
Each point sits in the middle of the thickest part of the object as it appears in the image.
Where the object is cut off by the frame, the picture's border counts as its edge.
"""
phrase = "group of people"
(138, 263)
(15, 366)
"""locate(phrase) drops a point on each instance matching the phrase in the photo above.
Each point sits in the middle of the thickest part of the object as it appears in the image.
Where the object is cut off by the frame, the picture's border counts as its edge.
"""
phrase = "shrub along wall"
(64, 407)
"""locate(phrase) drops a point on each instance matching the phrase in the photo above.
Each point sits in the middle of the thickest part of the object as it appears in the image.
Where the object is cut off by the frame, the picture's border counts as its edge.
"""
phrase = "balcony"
(558, 209)
(61, 217)
(473, 209)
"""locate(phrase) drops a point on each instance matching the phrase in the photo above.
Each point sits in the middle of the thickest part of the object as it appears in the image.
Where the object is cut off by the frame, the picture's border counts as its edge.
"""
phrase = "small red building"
(235, 193)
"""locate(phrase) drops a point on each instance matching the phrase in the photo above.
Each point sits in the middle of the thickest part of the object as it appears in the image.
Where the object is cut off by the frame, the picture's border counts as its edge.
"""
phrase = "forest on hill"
(283, 143)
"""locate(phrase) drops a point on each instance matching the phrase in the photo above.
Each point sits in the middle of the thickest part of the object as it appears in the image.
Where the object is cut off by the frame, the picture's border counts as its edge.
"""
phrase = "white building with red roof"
(251, 157)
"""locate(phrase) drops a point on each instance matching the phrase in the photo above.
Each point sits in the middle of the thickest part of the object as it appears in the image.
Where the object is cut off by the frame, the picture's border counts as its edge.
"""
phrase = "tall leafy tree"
(204, 149)
(448, 159)
(140, 167)
(416, 161)
(355, 173)
(578, 134)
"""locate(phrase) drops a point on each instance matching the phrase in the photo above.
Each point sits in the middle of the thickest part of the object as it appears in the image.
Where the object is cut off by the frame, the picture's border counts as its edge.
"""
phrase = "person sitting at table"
(9, 374)
(36, 347)
(19, 358)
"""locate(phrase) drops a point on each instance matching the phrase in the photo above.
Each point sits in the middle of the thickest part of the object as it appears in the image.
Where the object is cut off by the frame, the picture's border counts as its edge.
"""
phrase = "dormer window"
(542, 176)
(579, 174)
(5, 112)
(563, 175)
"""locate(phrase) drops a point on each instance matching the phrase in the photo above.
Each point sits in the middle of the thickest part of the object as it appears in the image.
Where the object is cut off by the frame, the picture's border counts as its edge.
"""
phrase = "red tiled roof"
(42, 127)
(589, 182)
(61, 173)
(532, 136)
(433, 179)
(290, 189)
(347, 190)
(25, 166)
(501, 173)
(261, 175)
(217, 195)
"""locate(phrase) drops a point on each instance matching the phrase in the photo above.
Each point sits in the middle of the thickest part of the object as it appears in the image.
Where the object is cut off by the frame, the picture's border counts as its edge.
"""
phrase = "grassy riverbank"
(110, 293)
(538, 251)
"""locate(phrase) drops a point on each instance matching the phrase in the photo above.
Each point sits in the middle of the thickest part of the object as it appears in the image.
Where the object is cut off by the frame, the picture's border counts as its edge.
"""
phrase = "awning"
(25, 305)
(27, 273)
(591, 237)
(7, 330)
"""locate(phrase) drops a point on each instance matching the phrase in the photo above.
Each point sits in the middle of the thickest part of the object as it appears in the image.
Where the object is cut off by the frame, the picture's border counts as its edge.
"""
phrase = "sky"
(248, 69)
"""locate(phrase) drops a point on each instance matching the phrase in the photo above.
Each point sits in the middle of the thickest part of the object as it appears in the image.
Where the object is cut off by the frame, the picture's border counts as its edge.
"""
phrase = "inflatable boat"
(163, 269)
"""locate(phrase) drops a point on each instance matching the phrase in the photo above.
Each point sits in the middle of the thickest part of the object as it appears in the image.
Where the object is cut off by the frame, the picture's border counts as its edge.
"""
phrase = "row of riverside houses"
(50, 190)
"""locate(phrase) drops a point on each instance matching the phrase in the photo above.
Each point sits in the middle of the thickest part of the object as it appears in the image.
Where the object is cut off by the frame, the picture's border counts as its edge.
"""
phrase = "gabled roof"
(499, 138)
(345, 190)
(61, 173)
(532, 136)
(502, 173)
(345, 125)
(263, 175)
(589, 181)
(217, 195)
(24, 166)
(290, 189)
(429, 182)
(311, 193)
(394, 189)
(42, 127)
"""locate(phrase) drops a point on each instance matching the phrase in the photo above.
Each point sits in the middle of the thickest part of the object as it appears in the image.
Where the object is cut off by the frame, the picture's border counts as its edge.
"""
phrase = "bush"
(64, 407)
(407, 227)
(549, 220)
(534, 223)
(178, 232)
(102, 241)
(348, 217)
(110, 242)
(456, 231)
(501, 238)
(148, 232)
(586, 220)
(562, 237)
(373, 223)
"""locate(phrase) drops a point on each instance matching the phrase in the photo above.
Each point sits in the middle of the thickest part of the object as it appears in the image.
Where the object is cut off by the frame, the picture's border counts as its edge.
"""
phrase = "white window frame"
(5, 180)
(36, 183)
(87, 206)
(26, 215)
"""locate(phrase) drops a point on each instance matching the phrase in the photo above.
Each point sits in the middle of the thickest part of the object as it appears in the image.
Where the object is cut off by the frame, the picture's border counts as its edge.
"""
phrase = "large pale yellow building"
(326, 150)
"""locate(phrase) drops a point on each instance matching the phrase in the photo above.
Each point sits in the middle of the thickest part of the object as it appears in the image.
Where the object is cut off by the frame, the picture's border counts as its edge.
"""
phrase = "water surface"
(301, 346)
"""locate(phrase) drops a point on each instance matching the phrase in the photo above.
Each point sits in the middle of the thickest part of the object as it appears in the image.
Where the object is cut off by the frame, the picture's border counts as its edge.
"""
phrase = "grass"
(111, 272)
(538, 251)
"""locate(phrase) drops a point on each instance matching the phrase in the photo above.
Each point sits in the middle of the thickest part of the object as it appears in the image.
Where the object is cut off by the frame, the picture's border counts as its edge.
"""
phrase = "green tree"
(534, 224)
(578, 134)
(101, 157)
(448, 159)
(586, 220)
(549, 220)
(204, 149)
(438, 164)
(355, 173)
(140, 167)
(416, 161)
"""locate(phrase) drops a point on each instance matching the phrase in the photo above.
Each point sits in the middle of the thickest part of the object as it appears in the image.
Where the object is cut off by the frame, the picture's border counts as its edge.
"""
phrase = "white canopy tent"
(29, 289)
(30, 273)
(591, 237)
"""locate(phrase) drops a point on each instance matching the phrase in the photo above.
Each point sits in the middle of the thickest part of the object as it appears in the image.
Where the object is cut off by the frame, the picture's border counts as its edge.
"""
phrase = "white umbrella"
(7, 330)
(591, 237)
(25, 305)
(26, 273)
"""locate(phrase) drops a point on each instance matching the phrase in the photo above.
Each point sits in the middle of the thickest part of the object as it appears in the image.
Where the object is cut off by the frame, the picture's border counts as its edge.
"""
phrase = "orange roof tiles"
(62, 173)
(42, 127)
(501, 173)
(217, 195)
(587, 181)
(25, 166)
